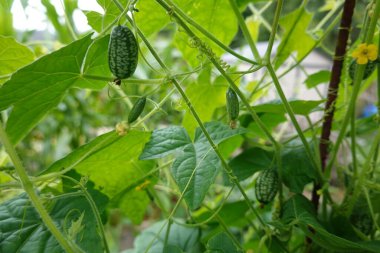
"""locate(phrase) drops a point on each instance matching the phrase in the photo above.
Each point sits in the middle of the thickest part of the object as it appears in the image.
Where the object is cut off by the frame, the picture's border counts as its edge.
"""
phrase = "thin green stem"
(292, 116)
(274, 30)
(29, 189)
(244, 29)
(353, 143)
(94, 210)
(5, 76)
(128, 81)
(209, 35)
(326, 18)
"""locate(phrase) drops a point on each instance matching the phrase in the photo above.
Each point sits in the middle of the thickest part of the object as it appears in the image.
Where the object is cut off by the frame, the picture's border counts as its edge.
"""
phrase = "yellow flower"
(364, 53)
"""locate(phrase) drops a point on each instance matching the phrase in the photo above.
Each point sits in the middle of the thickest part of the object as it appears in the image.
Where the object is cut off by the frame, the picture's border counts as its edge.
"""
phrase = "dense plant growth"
(160, 123)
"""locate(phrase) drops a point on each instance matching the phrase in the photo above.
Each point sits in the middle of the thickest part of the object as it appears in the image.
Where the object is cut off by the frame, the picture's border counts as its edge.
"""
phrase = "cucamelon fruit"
(232, 106)
(369, 68)
(137, 109)
(266, 186)
(361, 217)
(122, 53)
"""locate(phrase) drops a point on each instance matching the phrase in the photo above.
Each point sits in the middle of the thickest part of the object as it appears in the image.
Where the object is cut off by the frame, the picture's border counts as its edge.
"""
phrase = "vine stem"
(274, 30)
(94, 210)
(333, 88)
(29, 189)
(244, 29)
(208, 34)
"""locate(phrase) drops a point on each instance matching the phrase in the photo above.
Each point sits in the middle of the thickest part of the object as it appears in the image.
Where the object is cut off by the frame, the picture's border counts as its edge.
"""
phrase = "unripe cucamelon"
(361, 217)
(266, 186)
(122, 53)
(369, 68)
(137, 109)
(232, 106)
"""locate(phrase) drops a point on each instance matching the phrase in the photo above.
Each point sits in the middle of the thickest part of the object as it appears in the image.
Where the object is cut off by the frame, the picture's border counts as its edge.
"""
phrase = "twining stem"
(30, 191)
(318, 42)
(244, 29)
(208, 34)
(274, 30)
(332, 95)
(94, 210)
(128, 81)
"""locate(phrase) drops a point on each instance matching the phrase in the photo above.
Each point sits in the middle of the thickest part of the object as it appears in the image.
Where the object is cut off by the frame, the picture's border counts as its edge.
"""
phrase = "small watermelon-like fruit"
(266, 186)
(122, 52)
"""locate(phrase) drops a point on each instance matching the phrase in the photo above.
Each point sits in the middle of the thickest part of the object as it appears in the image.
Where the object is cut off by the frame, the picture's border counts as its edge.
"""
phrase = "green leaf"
(270, 120)
(221, 243)
(111, 162)
(111, 12)
(251, 161)
(94, 19)
(40, 86)
(319, 77)
(301, 107)
(209, 14)
(151, 22)
(184, 238)
(22, 229)
(296, 37)
(13, 55)
(300, 211)
(197, 160)
(96, 64)
(165, 141)
(297, 168)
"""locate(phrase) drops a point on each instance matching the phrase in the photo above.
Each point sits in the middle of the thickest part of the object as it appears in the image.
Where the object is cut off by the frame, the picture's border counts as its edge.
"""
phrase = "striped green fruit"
(266, 186)
(232, 104)
(369, 68)
(136, 110)
(122, 52)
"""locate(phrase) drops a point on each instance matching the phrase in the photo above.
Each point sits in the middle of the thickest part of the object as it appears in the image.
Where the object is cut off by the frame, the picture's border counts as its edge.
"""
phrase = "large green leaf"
(111, 162)
(296, 37)
(251, 161)
(209, 14)
(300, 211)
(96, 64)
(297, 169)
(149, 21)
(37, 88)
(197, 160)
(221, 243)
(13, 55)
(40, 86)
(181, 237)
(22, 230)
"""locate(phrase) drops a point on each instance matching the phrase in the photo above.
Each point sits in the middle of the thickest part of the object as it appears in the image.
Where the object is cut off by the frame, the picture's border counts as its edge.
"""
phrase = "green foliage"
(180, 239)
(81, 174)
(23, 231)
(196, 167)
